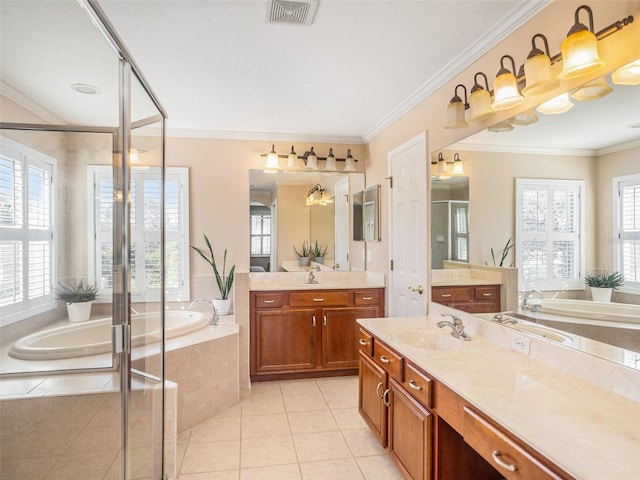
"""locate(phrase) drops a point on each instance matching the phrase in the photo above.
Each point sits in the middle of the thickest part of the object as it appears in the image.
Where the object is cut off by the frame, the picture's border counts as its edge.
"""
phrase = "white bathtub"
(612, 312)
(94, 337)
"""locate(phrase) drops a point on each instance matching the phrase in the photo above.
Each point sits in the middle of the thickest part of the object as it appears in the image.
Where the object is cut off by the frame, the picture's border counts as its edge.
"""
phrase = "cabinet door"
(410, 434)
(340, 334)
(285, 340)
(372, 388)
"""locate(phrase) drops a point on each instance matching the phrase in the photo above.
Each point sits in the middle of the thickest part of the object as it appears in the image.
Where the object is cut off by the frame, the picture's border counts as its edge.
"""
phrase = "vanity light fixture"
(330, 164)
(500, 127)
(505, 87)
(456, 108)
(580, 49)
(559, 104)
(458, 167)
(525, 118)
(593, 90)
(273, 163)
(292, 159)
(311, 160)
(349, 163)
(317, 196)
(627, 75)
(479, 100)
(537, 69)
(441, 166)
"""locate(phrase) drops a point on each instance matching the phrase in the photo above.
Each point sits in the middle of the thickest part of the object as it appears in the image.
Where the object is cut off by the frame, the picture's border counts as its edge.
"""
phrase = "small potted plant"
(319, 251)
(224, 281)
(79, 297)
(603, 283)
(303, 254)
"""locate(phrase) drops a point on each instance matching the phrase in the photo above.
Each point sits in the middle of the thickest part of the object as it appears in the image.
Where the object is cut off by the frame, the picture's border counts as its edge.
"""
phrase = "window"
(627, 229)
(145, 219)
(260, 233)
(549, 234)
(26, 231)
(460, 230)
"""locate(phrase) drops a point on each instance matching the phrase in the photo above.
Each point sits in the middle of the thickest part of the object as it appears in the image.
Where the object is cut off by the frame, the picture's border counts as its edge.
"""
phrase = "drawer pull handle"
(445, 295)
(268, 301)
(367, 298)
(385, 398)
(384, 359)
(318, 299)
(414, 385)
(486, 294)
(324, 320)
(363, 342)
(378, 390)
(313, 321)
(496, 458)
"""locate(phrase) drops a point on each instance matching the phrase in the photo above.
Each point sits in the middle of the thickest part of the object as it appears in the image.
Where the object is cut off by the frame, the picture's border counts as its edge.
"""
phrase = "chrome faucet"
(213, 320)
(499, 318)
(457, 328)
(311, 278)
(529, 296)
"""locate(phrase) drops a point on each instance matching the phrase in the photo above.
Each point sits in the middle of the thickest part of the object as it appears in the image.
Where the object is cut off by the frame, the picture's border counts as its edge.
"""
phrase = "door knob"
(419, 289)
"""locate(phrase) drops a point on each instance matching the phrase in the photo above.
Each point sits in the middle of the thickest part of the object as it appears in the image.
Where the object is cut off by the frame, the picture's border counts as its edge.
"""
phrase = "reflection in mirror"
(371, 214)
(283, 216)
(598, 143)
(358, 222)
(449, 220)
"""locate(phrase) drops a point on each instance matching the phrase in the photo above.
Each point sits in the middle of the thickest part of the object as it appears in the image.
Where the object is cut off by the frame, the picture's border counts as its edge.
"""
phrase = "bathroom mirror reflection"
(597, 142)
(371, 214)
(449, 220)
(291, 207)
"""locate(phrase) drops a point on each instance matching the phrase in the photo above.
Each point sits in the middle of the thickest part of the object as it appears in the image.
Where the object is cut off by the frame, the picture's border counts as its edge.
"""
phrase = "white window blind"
(26, 230)
(145, 202)
(260, 234)
(627, 229)
(460, 231)
(549, 233)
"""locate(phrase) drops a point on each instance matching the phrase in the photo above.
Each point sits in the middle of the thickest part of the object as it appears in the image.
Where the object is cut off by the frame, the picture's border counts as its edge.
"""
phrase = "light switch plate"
(521, 344)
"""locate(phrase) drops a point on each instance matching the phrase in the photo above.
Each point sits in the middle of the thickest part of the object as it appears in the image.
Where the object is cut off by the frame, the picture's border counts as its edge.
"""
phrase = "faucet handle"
(456, 320)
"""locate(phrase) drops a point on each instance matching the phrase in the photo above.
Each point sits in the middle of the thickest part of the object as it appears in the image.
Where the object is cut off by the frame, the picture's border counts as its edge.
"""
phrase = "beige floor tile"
(31, 468)
(45, 444)
(305, 402)
(231, 412)
(183, 437)
(379, 467)
(265, 426)
(268, 405)
(299, 387)
(211, 457)
(362, 442)
(263, 452)
(312, 447)
(216, 429)
(348, 418)
(276, 472)
(311, 422)
(339, 469)
(261, 389)
(226, 475)
(340, 394)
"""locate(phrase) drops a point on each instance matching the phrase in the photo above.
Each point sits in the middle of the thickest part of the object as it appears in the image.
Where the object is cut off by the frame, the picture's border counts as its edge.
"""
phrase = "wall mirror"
(371, 214)
(449, 219)
(281, 218)
(596, 141)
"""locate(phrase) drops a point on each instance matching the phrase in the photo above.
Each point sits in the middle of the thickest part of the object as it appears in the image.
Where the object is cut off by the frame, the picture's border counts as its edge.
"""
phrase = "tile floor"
(297, 429)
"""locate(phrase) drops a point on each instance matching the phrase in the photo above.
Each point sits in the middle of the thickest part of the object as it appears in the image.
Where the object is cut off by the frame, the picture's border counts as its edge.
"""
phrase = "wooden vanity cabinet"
(469, 298)
(308, 333)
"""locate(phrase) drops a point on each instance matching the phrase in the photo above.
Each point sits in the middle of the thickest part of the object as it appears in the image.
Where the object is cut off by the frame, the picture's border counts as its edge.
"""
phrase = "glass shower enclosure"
(81, 200)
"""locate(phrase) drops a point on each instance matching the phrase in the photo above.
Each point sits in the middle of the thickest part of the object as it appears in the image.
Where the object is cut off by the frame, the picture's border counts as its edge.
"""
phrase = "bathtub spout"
(214, 315)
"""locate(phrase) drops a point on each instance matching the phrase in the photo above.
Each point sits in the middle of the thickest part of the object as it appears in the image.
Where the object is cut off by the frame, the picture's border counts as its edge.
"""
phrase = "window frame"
(618, 261)
(25, 308)
(547, 284)
(262, 235)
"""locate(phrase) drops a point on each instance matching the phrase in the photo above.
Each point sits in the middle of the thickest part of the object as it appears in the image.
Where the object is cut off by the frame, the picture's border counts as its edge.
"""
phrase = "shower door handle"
(120, 338)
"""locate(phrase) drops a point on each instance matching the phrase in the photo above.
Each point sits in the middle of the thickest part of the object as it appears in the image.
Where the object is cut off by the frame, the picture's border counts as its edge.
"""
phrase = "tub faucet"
(457, 328)
(526, 305)
(213, 320)
(311, 278)
(499, 318)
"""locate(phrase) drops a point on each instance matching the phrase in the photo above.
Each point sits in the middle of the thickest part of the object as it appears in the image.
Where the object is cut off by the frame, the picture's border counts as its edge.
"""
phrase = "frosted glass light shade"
(458, 166)
(505, 92)
(272, 163)
(580, 55)
(503, 126)
(525, 118)
(312, 160)
(559, 104)
(349, 163)
(593, 90)
(331, 161)
(537, 71)
(479, 105)
(627, 75)
(292, 159)
(455, 115)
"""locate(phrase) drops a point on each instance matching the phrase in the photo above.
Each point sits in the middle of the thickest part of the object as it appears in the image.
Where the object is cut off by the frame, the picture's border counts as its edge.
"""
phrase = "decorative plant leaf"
(605, 279)
(224, 282)
(74, 292)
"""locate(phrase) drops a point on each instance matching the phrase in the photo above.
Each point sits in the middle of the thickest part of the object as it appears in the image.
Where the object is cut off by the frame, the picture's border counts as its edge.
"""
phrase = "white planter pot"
(601, 294)
(304, 261)
(79, 312)
(222, 306)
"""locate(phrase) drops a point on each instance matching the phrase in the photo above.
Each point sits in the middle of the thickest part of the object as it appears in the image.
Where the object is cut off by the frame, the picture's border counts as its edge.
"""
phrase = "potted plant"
(303, 254)
(79, 297)
(224, 281)
(319, 251)
(602, 284)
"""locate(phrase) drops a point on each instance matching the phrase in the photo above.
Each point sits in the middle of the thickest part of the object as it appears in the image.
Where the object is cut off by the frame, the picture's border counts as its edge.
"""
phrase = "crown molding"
(480, 147)
(265, 136)
(619, 147)
(28, 104)
(507, 24)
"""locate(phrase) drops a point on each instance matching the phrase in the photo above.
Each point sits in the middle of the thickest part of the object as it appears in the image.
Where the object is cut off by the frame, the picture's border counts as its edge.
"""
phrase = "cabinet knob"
(268, 301)
(445, 295)
(324, 320)
(384, 359)
(318, 299)
(367, 298)
(378, 394)
(385, 398)
(313, 321)
(363, 342)
(496, 458)
(414, 385)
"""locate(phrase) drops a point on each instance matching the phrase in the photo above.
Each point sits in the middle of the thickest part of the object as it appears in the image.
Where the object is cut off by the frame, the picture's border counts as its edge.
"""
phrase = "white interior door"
(408, 285)
(341, 205)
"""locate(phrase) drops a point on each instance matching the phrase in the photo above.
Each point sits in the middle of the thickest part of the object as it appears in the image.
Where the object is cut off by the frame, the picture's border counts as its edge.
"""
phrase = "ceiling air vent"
(291, 13)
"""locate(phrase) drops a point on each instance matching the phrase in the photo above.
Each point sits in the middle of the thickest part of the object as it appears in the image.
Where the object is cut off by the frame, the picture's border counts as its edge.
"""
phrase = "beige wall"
(294, 221)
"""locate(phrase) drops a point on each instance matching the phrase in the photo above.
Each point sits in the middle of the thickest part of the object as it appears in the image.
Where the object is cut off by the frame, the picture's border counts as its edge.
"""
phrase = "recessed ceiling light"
(634, 125)
(85, 88)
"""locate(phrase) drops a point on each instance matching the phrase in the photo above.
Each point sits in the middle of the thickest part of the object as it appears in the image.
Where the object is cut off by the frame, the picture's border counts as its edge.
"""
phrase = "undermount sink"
(423, 338)
(544, 332)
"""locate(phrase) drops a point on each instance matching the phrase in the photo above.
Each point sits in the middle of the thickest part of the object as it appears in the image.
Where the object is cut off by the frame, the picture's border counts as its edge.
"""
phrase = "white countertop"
(462, 282)
(590, 432)
(326, 280)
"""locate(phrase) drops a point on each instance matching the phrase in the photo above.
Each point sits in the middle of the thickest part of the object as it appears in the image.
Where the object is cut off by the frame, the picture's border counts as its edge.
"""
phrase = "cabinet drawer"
(269, 300)
(487, 293)
(451, 294)
(388, 360)
(505, 454)
(365, 343)
(318, 298)
(366, 297)
(417, 384)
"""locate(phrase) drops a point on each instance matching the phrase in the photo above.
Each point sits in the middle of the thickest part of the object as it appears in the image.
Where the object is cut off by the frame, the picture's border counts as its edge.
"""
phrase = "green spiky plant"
(503, 255)
(305, 251)
(320, 250)
(605, 279)
(76, 292)
(224, 282)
